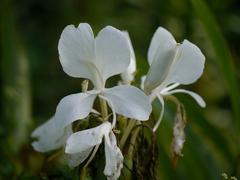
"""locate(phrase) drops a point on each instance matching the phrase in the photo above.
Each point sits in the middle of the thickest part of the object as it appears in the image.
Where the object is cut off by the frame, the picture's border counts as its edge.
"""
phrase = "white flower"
(96, 59)
(128, 75)
(83, 142)
(172, 64)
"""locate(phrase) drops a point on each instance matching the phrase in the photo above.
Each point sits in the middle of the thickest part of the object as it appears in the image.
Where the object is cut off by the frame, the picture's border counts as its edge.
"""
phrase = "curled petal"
(194, 95)
(112, 52)
(160, 98)
(129, 101)
(81, 141)
(114, 157)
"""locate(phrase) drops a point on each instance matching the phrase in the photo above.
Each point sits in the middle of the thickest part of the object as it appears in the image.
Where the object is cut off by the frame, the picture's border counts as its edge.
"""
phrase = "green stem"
(104, 110)
(126, 133)
(129, 158)
(132, 142)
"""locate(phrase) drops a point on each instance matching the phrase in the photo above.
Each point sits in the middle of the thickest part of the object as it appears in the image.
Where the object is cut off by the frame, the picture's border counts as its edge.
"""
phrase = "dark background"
(32, 80)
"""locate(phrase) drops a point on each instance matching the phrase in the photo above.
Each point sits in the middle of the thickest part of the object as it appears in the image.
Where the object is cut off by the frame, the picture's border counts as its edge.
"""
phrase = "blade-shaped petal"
(81, 141)
(129, 101)
(128, 75)
(114, 157)
(49, 136)
(161, 40)
(73, 107)
(112, 52)
(76, 51)
(188, 64)
(160, 68)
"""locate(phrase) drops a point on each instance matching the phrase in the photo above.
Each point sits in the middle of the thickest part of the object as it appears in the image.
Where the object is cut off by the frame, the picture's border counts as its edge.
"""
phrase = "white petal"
(49, 136)
(160, 98)
(161, 40)
(129, 101)
(160, 68)
(76, 159)
(161, 55)
(194, 95)
(76, 51)
(128, 75)
(114, 157)
(112, 52)
(188, 64)
(81, 141)
(74, 107)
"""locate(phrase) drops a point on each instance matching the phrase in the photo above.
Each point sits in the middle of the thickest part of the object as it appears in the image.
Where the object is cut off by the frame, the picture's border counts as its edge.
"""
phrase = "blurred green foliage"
(32, 81)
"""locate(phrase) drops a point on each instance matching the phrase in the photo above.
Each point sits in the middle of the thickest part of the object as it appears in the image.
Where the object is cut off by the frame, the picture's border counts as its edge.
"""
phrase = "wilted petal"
(73, 107)
(128, 75)
(76, 51)
(112, 52)
(129, 101)
(81, 141)
(188, 64)
(162, 40)
(75, 159)
(194, 95)
(49, 136)
(114, 157)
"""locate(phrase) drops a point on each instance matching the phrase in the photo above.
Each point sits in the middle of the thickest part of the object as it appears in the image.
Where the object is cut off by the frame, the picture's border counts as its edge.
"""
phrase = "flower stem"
(132, 142)
(126, 133)
(129, 158)
(104, 110)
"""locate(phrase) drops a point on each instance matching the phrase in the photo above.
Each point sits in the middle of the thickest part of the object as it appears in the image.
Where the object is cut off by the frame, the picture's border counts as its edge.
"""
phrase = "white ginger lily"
(81, 144)
(96, 59)
(128, 75)
(172, 64)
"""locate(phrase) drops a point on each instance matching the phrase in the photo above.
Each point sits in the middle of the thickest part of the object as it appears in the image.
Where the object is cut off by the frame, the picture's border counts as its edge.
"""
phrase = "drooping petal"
(188, 64)
(128, 75)
(161, 40)
(49, 136)
(129, 101)
(75, 159)
(112, 52)
(114, 157)
(194, 95)
(81, 141)
(161, 55)
(73, 107)
(76, 51)
(160, 98)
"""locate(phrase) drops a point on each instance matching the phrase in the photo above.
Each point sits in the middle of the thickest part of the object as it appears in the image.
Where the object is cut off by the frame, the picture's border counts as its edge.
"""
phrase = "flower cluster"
(98, 58)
